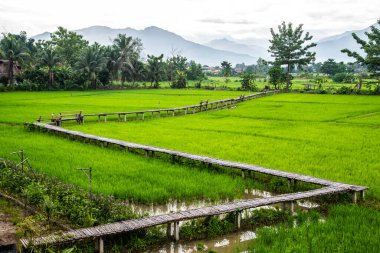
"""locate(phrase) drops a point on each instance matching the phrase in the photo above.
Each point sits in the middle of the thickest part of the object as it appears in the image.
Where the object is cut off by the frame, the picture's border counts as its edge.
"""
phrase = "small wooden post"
(292, 203)
(143, 116)
(125, 117)
(238, 220)
(354, 199)
(194, 109)
(361, 195)
(289, 183)
(242, 174)
(99, 245)
(173, 112)
(146, 153)
(176, 231)
(105, 118)
(169, 230)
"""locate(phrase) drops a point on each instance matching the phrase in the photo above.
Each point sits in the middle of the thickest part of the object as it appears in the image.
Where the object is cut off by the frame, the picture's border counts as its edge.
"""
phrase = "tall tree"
(288, 48)
(155, 69)
(371, 49)
(91, 62)
(128, 49)
(69, 45)
(50, 59)
(14, 51)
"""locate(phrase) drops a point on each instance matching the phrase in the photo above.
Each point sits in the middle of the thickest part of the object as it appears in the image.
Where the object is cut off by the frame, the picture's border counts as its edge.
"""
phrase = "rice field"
(116, 172)
(347, 229)
(328, 136)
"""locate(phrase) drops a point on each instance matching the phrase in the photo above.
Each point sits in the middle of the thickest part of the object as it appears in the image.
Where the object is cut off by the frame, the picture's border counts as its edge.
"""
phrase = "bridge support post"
(238, 220)
(105, 118)
(99, 245)
(186, 111)
(125, 117)
(146, 153)
(169, 230)
(361, 195)
(242, 174)
(292, 204)
(289, 183)
(354, 199)
(176, 231)
(143, 116)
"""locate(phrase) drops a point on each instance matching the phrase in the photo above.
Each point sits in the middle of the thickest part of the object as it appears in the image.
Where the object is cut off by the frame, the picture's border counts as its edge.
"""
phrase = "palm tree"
(91, 62)
(111, 63)
(50, 59)
(155, 69)
(128, 49)
(13, 50)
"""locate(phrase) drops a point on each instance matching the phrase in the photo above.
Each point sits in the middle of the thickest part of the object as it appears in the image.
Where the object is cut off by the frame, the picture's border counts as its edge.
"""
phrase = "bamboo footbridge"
(136, 224)
(99, 233)
(203, 106)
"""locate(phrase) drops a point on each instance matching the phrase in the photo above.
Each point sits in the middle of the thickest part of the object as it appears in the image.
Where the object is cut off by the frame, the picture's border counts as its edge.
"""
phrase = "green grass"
(115, 172)
(328, 136)
(347, 229)
(19, 107)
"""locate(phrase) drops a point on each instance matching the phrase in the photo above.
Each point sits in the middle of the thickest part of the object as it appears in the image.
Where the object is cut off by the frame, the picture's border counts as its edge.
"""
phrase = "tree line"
(68, 61)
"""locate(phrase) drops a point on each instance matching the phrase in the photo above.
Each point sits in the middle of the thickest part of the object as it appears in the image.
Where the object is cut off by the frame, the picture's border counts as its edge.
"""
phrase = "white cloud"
(197, 19)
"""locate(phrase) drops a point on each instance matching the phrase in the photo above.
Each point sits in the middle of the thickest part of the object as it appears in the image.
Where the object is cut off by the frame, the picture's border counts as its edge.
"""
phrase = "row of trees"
(68, 59)
(291, 49)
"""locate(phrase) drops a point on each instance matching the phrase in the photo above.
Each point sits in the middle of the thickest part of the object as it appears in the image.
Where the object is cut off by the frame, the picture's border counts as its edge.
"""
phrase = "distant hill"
(330, 47)
(229, 45)
(156, 41)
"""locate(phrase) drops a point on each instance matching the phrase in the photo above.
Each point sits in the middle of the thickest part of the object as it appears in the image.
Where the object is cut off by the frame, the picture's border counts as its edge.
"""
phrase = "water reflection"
(223, 244)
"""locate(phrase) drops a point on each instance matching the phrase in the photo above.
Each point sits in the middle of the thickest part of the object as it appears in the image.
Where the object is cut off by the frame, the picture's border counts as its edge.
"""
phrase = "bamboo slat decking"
(131, 225)
(204, 159)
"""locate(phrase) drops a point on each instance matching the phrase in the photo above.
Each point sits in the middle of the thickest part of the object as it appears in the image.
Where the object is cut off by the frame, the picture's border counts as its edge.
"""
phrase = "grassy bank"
(328, 136)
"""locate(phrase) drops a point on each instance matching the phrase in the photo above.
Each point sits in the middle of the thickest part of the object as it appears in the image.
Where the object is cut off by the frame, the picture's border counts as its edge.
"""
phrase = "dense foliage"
(59, 200)
(67, 61)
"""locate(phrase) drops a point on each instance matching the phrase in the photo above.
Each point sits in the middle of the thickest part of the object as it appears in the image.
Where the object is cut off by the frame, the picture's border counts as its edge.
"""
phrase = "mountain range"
(156, 41)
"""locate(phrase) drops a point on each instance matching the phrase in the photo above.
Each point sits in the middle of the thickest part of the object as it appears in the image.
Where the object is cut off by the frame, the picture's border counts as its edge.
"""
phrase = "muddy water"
(176, 206)
(228, 243)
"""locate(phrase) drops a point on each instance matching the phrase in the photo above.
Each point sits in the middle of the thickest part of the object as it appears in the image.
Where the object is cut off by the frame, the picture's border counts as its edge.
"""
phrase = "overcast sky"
(199, 20)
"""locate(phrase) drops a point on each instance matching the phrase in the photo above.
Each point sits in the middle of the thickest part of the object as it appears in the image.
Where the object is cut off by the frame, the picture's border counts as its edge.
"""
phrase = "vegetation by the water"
(327, 136)
(60, 201)
(347, 229)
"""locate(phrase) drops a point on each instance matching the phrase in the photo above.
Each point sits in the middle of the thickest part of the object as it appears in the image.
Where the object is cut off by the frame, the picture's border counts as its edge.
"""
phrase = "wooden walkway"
(184, 110)
(205, 159)
(135, 224)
